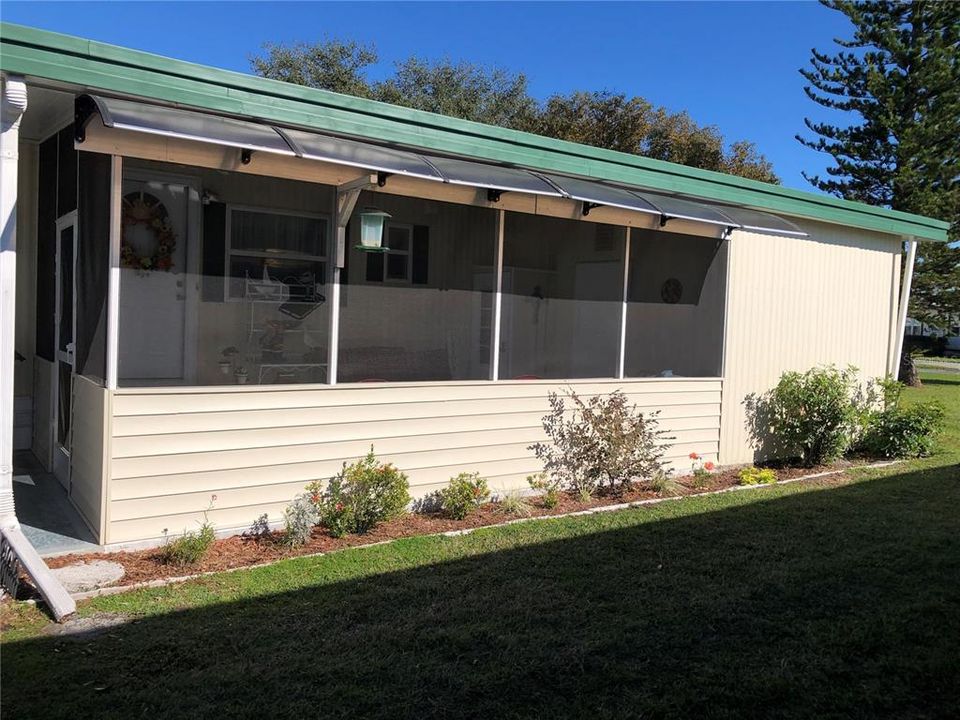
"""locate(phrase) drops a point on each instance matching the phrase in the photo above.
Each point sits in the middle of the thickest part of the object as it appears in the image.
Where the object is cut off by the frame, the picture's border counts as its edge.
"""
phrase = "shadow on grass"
(941, 380)
(837, 603)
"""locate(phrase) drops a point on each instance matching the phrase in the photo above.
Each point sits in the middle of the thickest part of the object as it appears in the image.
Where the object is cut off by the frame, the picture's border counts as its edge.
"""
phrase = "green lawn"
(796, 601)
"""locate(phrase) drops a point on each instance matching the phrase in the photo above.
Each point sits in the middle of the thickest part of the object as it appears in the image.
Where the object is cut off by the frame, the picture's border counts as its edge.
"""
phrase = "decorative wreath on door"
(140, 208)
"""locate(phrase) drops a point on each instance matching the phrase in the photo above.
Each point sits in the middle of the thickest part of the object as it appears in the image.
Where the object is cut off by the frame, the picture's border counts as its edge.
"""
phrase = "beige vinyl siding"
(90, 449)
(173, 449)
(796, 303)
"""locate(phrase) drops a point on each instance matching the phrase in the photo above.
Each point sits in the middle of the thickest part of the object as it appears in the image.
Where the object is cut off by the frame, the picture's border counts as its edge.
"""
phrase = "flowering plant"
(701, 469)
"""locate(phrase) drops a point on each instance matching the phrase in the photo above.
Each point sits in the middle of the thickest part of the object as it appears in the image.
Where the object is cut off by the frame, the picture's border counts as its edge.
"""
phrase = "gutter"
(15, 550)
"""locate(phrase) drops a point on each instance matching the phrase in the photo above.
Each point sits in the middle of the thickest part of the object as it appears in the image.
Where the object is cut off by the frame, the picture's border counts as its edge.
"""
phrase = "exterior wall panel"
(173, 449)
(89, 459)
(797, 303)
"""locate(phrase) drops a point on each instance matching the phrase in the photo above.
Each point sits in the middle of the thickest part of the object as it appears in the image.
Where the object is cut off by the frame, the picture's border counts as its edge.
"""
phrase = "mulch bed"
(245, 550)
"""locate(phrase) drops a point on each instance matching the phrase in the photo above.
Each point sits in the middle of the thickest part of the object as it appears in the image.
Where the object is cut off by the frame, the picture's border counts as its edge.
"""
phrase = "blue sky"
(730, 64)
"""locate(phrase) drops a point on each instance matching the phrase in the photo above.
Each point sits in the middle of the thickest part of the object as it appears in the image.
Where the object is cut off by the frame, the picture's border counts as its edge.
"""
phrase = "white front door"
(156, 318)
(65, 330)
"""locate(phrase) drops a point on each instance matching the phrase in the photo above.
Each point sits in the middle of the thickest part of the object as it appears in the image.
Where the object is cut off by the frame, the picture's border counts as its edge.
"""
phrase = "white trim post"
(497, 299)
(623, 309)
(13, 103)
(904, 302)
(113, 278)
(345, 202)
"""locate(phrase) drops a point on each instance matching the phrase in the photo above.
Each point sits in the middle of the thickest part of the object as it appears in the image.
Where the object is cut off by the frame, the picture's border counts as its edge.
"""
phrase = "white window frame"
(229, 252)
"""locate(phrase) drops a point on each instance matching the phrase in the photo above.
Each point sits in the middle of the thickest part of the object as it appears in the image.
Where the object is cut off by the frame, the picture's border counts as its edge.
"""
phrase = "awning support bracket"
(246, 155)
(588, 206)
(347, 195)
(382, 178)
(493, 195)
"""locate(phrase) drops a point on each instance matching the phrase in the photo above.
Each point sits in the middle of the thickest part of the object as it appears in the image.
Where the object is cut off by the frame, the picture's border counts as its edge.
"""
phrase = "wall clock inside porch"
(671, 291)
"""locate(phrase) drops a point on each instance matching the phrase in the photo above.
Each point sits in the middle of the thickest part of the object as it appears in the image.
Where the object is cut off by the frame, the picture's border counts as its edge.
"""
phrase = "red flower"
(315, 498)
(339, 507)
(708, 465)
(694, 456)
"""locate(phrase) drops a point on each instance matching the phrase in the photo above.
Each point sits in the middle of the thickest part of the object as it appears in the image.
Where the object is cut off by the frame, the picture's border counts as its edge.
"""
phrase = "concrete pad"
(85, 628)
(84, 576)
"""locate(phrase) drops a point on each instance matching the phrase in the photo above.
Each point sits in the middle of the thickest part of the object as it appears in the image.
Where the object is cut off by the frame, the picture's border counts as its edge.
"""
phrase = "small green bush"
(815, 415)
(299, 517)
(902, 432)
(757, 476)
(363, 495)
(465, 493)
(548, 486)
(190, 548)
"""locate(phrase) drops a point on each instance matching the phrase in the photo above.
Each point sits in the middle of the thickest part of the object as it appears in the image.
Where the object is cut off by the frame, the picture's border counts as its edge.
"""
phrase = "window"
(418, 311)
(561, 298)
(273, 254)
(238, 292)
(675, 309)
(394, 264)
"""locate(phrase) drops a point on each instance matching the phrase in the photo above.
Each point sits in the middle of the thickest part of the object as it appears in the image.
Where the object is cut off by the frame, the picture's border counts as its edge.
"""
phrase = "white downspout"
(904, 302)
(13, 99)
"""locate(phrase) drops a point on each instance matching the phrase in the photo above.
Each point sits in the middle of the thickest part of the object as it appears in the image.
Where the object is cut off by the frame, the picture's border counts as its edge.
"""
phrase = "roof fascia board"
(97, 66)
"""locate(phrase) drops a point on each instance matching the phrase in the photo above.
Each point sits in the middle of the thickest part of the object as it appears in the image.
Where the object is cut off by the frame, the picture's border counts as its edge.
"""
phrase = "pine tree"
(898, 83)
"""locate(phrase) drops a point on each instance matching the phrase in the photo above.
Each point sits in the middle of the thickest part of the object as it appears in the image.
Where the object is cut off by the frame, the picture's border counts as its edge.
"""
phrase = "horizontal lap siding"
(172, 451)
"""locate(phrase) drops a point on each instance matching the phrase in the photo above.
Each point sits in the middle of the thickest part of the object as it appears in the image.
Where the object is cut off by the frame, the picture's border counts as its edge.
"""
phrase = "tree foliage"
(897, 82)
(501, 97)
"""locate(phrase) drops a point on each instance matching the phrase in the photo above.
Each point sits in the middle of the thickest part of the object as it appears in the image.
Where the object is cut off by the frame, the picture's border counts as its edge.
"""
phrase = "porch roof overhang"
(97, 67)
(250, 137)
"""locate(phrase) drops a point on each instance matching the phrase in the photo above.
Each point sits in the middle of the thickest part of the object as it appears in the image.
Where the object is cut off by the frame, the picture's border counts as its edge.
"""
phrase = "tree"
(461, 89)
(898, 84)
(335, 65)
(501, 97)
(633, 125)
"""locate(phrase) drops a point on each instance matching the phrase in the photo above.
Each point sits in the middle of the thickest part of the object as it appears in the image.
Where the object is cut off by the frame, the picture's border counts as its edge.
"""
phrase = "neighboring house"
(950, 335)
(198, 316)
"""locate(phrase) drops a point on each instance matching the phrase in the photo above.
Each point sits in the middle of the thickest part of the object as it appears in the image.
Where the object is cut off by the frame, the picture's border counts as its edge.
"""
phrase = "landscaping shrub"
(757, 476)
(814, 415)
(663, 485)
(190, 548)
(299, 517)
(465, 493)
(512, 503)
(548, 486)
(601, 442)
(900, 432)
(363, 495)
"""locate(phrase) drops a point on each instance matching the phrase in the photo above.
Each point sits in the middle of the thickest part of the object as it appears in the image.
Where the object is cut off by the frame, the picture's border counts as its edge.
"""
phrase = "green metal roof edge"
(99, 66)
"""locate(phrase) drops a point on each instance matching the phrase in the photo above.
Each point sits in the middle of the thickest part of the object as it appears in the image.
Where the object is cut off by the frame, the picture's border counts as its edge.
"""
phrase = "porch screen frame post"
(344, 203)
(497, 299)
(113, 278)
(623, 305)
